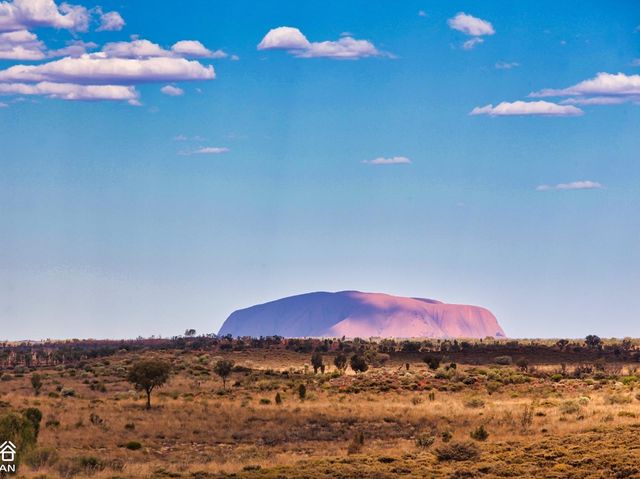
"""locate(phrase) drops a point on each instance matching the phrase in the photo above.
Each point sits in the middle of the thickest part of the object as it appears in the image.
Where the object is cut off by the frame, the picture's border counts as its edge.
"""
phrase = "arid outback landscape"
(294, 408)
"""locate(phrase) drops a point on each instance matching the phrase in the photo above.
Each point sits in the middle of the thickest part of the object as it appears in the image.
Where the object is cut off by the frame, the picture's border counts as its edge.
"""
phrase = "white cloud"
(574, 185)
(395, 160)
(294, 41)
(284, 38)
(470, 25)
(110, 22)
(24, 14)
(193, 48)
(422, 13)
(99, 69)
(600, 100)
(506, 65)
(21, 45)
(469, 44)
(3, 105)
(135, 49)
(235, 58)
(540, 108)
(603, 84)
(206, 150)
(67, 91)
(74, 48)
(172, 90)
(140, 48)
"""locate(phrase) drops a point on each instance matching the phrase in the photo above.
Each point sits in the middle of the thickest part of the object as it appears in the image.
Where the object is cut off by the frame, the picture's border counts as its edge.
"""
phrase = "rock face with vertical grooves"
(355, 314)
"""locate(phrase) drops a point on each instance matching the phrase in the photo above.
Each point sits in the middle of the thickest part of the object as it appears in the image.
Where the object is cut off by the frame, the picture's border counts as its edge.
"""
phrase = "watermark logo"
(8, 457)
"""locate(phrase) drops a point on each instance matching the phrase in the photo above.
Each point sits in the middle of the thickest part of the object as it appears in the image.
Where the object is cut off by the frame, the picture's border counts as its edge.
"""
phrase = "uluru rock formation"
(355, 314)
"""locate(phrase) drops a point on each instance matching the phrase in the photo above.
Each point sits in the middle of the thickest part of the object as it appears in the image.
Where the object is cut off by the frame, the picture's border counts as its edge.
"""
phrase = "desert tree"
(317, 362)
(358, 363)
(223, 369)
(340, 362)
(432, 361)
(593, 341)
(149, 374)
(36, 383)
(189, 333)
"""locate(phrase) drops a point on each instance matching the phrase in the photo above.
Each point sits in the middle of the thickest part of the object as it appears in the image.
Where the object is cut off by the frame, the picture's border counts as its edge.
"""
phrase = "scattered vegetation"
(322, 408)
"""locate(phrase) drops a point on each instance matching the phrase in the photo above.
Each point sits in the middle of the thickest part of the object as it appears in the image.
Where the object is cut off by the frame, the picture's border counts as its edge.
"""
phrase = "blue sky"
(474, 152)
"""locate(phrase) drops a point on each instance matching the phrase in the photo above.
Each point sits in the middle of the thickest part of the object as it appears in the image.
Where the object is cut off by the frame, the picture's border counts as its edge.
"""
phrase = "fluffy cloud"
(96, 69)
(603, 84)
(471, 25)
(395, 160)
(172, 90)
(540, 108)
(24, 14)
(574, 185)
(193, 48)
(134, 49)
(110, 22)
(3, 105)
(284, 38)
(294, 41)
(68, 91)
(21, 45)
(140, 48)
(74, 48)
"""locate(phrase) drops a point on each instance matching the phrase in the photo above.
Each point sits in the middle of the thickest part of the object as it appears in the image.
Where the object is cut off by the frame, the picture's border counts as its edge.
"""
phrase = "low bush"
(424, 441)
(503, 360)
(479, 433)
(457, 451)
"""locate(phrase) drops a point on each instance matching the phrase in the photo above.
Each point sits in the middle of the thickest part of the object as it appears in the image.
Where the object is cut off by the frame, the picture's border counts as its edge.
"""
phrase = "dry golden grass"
(538, 427)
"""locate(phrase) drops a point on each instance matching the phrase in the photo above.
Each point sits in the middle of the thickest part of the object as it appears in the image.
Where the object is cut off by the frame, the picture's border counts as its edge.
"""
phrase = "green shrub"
(474, 403)
(133, 445)
(619, 399)
(569, 407)
(302, 391)
(479, 434)
(503, 360)
(265, 401)
(41, 457)
(19, 430)
(278, 398)
(424, 441)
(446, 436)
(458, 451)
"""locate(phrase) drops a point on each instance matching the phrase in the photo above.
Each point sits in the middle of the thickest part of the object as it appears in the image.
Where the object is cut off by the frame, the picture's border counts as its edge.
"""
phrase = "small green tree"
(432, 361)
(302, 391)
(20, 431)
(149, 374)
(340, 362)
(223, 369)
(358, 363)
(36, 383)
(278, 398)
(34, 416)
(316, 362)
(593, 341)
